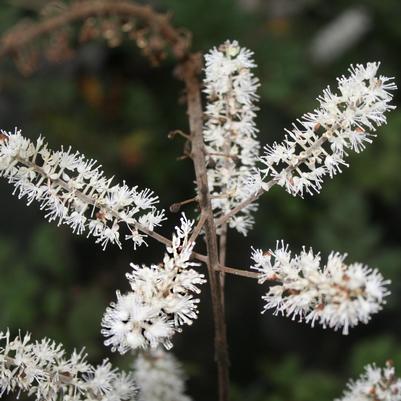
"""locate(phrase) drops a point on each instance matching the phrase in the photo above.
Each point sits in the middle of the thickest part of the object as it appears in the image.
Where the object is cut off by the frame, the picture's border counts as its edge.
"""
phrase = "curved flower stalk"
(161, 300)
(161, 377)
(375, 384)
(319, 142)
(115, 21)
(336, 295)
(230, 132)
(74, 191)
(42, 369)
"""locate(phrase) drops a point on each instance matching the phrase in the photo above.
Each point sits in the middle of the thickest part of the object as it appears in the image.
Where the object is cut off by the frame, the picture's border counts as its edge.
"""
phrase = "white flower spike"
(42, 370)
(378, 384)
(336, 295)
(160, 376)
(319, 142)
(160, 301)
(230, 131)
(74, 191)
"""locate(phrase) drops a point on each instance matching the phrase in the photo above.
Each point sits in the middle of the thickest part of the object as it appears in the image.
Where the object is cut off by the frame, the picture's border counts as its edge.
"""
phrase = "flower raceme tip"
(73, 190)
(161, 299)
(160, 377)
(318, 144)
(376, 383)
(229, 132)
(43, 370)
(336, 295)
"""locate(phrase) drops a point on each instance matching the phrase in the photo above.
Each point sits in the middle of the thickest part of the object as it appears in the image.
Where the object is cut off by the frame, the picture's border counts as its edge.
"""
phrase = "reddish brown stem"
(198, 228)
(195, 113)
(222, 260)
(238, 272)
(16, 39)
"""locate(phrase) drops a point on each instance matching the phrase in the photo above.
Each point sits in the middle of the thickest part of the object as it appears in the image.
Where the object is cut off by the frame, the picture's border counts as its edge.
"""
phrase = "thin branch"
(173, 134)
(17, 39)
(223, 245)
(223, 229)
(238, 272)
(268, 185)
(222, 259)
(198, 228)
(223, 219)
(175, 207)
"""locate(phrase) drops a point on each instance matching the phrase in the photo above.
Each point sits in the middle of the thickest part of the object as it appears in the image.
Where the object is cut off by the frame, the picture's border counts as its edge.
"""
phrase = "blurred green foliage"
(111, 105)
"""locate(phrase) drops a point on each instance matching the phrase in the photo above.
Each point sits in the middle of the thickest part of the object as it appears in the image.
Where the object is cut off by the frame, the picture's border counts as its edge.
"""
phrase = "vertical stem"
(223, 229)
(222, 259)
(195, 113)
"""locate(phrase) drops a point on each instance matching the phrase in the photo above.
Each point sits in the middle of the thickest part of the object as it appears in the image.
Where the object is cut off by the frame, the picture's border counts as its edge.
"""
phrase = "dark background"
(111, 105)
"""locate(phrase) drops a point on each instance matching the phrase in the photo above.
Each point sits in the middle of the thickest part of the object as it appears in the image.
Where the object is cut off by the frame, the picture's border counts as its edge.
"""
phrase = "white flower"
(318, 143)
(41, 370)
(160, 377)
(133, 322)
(229, 131)
(161, 299)
(336, 295)
(73, 190)
(123, 388)
(102, 377)
(375, 384)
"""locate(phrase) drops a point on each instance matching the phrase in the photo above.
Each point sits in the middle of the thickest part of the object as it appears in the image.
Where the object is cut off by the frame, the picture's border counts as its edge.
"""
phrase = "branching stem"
(194, 105)
(267, 186)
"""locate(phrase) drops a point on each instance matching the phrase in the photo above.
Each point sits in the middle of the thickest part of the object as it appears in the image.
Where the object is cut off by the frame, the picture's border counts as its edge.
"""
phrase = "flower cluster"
(74, 191)
(376, 384)
(335, 295)
(318, 144)
(160, 376)
(230, 132)
(161, 300)
(41, 369)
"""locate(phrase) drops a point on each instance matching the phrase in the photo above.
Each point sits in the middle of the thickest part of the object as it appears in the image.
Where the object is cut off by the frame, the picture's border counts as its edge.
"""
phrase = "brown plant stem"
(197, 230)
(222, 260)
(223, 219)
(195, 113)
(14, 40)
(239, 272)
